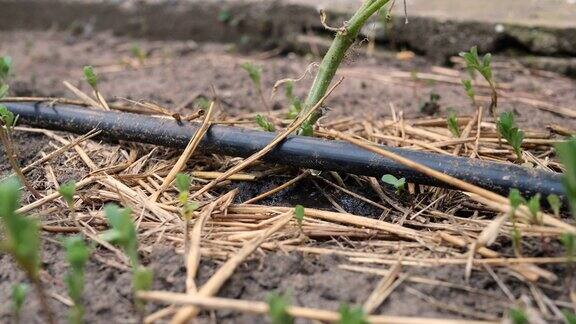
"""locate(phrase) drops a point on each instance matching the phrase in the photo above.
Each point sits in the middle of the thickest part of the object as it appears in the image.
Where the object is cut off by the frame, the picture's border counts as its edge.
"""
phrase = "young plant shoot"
(518, 316)
(511, 133)
(398, 184)
(277, 309)
(452, 124)
(345, 37)
(533, 205)
(123, 233)
(265, 124)
(474, 64)
(67, 191)
(555, 204)
(91, 77)
(21, 239)
(351, 315)
(569, 242)
(567, 153)
(18, 296)
(255, 74)
(77, 254)
(187, 208)
(295, 104)
(469, 90)
(299, 215)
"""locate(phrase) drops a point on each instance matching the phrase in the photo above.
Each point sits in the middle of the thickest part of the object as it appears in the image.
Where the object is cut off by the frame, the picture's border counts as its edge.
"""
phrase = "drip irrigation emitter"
(296, 151)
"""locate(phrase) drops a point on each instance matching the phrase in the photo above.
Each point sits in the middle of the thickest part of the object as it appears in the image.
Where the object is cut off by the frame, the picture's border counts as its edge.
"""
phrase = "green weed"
(452, 124)
(18, 297)
(398, 184)
(518, 316)
(265, 124)
(555, 204)
(77, 254)
(299, 214)
(508, 130)
(277, 309)
(351, 315)
(569, 317)
(533, 205)
(469, 90)
(255, 74)
(482, 66)
(91, 77)
(569, 242)
(295, 104)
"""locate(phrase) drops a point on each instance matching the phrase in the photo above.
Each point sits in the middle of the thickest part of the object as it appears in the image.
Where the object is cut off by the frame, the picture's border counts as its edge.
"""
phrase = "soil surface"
(179, 72)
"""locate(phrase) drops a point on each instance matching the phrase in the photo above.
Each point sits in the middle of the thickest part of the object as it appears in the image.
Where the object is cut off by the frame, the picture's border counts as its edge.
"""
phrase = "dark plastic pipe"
(297, 151)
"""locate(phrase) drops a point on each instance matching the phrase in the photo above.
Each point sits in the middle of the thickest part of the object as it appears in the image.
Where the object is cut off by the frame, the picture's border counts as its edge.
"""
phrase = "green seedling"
(277, 309)
(123, 233)
(518, 316)
(77, 254)
(202, 103)
(398, 184)
(299, 214)
(533, 205)
(511, 133)
(5, 68)
(555, 204)
(183, 186)
(138, 53)
(569, 242)
(255, 74)
(21, 238)
(567, 153)
(516, 200)
(265, 124)
(91, 77)
(482, 66)
(18, 296)
(569, 317)
(469, 90)
(452, 124)
(351, 315)
(67, 191)
(295, 104)
(345, 37)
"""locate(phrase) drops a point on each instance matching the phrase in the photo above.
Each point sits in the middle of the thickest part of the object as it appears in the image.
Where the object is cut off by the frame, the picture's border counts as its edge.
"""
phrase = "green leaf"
(91, 76)
(183, 182)
(142, 279)
(515, 198)
(567, 154)
(4, 90)
(452, 124)
(123, 231)
(508, 130)
(569, 242)
(398, 184)
(277, 306)
(569, 317)
(468, 88)
(254, 71)
(307, 129)
(5, 68)
(19, 292)
(77, 252)
(6, 116)
(299, 213)
(265, 124)
(518, 316)
(67, 190)
(534, 206)
(351, 315)
(555, 204)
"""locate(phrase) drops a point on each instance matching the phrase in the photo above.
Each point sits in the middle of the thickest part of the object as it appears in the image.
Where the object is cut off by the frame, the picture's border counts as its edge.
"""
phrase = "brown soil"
(44, 59)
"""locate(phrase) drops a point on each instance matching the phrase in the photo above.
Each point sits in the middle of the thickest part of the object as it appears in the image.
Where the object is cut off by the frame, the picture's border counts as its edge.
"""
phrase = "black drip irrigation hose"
(297, 151)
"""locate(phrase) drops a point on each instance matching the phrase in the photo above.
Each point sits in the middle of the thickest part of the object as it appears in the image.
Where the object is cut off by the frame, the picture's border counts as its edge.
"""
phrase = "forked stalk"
(345, 37)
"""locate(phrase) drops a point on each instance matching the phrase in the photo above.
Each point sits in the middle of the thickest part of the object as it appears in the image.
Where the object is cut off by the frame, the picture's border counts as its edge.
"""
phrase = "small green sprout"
(183, 186)
(67, 191)
(21, 238)
(123, 232)
(7, 118)
(91, 77)
(294, 102)
(452, 124)
(473, 63)
(277, 306)
(533, 205)
(469, 90)
(5, 68)
(398, 184)
(555, 204)
(567, 153)
(569, 242)
(138, 53)
(255, 74)
(142, 279)
(265, 124)
(515, 199)
(77, 254)
(516, 236)
(18, 296)
(518, 316)
(351, 315)
(569, 317)
(511, 133)
(202, 103)
(299, 214)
